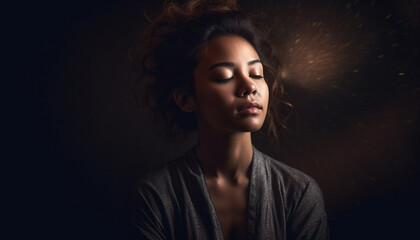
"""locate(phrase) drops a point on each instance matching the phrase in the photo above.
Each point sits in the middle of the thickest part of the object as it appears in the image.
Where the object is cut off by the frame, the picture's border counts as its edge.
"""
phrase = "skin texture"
(219, 99)
(228, 79)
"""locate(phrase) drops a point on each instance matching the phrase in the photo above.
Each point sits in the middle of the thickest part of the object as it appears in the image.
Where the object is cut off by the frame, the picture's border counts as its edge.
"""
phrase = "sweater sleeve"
(309, 219)
(147, 219)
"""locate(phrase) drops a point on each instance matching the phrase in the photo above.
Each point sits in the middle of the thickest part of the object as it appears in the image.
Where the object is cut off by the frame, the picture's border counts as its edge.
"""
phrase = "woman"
(213, 71)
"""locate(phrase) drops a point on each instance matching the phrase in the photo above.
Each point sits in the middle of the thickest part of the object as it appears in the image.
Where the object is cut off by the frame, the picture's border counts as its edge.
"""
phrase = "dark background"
(80, 140)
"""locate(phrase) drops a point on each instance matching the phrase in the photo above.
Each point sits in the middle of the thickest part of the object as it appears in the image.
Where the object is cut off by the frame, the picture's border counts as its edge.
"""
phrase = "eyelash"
(256, 76)
(228, 79)
(224, 80)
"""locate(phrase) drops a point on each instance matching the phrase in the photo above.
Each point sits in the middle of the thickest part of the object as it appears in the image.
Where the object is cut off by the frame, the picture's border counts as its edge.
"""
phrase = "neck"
(227, 155)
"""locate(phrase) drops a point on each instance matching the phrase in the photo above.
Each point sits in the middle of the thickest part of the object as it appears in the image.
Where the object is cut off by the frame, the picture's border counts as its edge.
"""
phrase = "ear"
(184, 100)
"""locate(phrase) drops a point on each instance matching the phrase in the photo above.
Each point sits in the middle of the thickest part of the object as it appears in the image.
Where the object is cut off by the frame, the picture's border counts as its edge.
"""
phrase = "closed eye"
(256, 76)
(223, 80)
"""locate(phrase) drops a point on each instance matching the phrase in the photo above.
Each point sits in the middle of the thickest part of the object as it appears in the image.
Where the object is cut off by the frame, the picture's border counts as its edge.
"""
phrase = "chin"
(250, 127)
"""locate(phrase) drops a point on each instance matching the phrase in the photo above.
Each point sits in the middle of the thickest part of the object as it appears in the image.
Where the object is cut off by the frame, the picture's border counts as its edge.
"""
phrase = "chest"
(230, 202)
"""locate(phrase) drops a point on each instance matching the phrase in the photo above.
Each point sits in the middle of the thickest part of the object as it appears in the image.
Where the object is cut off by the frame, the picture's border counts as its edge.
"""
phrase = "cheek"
(214, 98)
(265, 93)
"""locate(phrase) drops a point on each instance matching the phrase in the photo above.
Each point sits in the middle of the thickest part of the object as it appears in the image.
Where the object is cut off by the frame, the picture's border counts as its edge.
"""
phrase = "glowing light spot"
(321, 50)
(401, 74)
(381, 56)
(388, 16)
(284, 74)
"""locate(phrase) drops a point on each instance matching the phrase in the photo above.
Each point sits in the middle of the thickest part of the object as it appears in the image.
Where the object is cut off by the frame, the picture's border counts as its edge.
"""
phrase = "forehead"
(227, 48)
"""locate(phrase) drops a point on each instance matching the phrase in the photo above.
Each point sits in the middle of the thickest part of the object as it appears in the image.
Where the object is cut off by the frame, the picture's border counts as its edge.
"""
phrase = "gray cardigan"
(174, 203)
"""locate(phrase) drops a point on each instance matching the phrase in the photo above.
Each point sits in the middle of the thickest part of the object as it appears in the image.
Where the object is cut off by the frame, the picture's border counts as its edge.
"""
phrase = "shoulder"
(154, 201)
(296, 188)
(154, 195)
(304, 203)
(289, 177)
(160, 181)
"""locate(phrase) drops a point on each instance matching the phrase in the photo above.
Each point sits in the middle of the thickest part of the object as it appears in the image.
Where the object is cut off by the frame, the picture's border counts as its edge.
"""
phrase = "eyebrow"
(230, 64)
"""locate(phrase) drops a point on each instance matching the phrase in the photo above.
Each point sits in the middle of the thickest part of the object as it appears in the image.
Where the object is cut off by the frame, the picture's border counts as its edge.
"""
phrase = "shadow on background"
(351, 70)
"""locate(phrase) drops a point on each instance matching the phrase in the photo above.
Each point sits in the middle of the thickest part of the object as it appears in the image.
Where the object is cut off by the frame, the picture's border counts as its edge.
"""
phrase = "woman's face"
(231, 93)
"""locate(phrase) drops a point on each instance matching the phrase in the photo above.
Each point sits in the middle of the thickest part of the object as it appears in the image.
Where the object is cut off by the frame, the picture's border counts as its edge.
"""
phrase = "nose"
(246, 87)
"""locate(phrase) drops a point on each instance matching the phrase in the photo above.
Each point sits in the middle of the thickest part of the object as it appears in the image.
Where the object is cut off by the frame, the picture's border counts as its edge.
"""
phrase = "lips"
(251, 108)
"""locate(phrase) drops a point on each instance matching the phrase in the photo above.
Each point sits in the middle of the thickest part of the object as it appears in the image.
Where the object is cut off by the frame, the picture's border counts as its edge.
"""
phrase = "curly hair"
(169, 50)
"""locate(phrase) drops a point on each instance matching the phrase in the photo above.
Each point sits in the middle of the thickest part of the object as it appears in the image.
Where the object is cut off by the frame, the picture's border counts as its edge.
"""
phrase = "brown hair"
(168, 54)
